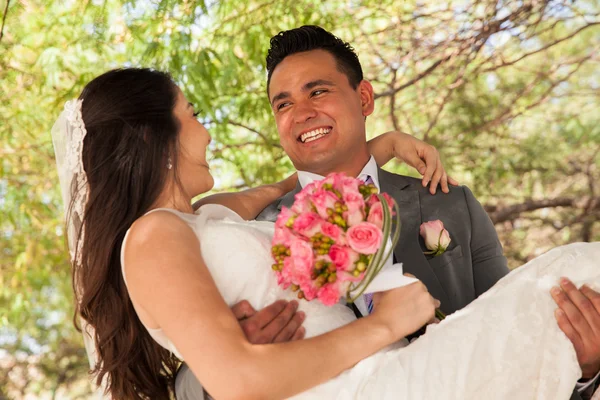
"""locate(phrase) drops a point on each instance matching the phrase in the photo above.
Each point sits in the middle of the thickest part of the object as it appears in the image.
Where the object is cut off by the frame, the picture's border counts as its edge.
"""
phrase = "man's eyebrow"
(280, 96)
(318, 82)
(307, 86)
(190, 105)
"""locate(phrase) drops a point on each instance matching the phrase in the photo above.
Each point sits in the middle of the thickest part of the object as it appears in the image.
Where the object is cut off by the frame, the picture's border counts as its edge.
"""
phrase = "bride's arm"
(170, 282)
(414, 152)
(421, 156)
(250, 202)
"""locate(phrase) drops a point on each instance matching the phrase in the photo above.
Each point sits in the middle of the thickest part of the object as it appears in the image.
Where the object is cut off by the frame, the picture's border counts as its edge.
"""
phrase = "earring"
(169, 163)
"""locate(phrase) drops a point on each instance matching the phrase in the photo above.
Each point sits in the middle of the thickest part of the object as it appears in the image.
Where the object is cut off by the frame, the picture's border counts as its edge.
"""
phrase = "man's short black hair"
(311, 37)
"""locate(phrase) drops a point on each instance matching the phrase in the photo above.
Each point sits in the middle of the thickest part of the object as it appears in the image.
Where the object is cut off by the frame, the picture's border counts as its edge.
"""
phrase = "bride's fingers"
(453, 181)
(444, 183)
(437, 176)
(431, 163)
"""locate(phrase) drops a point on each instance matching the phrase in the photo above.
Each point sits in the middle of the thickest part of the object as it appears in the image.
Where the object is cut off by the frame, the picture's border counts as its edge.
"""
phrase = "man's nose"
(304, 112)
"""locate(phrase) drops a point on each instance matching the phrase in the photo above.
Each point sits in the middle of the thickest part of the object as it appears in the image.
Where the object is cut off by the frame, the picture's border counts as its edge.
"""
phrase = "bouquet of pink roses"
(331, 243)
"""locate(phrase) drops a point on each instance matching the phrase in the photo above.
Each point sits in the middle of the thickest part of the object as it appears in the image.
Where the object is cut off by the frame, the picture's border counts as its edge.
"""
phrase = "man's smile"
(314, 134)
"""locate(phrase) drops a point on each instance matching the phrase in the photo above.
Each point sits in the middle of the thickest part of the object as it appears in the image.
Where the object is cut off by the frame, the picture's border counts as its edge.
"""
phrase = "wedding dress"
(504, 345)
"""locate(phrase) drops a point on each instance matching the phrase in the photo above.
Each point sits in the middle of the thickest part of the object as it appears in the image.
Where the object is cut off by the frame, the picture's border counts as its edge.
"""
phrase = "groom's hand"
(578, 317)
(278, 322)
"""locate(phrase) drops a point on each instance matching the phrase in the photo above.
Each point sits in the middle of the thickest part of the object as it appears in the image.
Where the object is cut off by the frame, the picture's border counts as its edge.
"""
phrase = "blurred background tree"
(507, 90)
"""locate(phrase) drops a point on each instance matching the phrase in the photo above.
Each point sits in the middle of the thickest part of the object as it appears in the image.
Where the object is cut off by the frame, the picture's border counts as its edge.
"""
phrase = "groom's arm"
(489, 263)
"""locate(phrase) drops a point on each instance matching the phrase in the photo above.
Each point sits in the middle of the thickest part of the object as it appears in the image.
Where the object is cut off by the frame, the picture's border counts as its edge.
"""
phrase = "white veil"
(68, 133)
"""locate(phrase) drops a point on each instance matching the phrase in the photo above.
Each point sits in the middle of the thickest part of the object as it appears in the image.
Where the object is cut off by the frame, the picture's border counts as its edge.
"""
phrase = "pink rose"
(309, 289)
(281, 281)
(376, 215)
(343, 257)
(312, 187)
(329, 294)
(364, 238)
(284, 277)
(283, 235)
(355, 204)
(390, 201)
(307, 224)
(436, 237)
(302, 255)
(298, 267)
(284, 217)
(374, 199)
(353, 200)
(354, 217)
(333, 179)
(302, 202)
(333, 231)
(324, 200)
(350, 185)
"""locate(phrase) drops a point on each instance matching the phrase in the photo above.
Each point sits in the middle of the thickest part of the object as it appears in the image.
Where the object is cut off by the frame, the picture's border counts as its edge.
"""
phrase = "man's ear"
(367, 98)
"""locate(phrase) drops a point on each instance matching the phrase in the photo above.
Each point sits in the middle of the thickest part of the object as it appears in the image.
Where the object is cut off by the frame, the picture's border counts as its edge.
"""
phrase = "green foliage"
(509, 94)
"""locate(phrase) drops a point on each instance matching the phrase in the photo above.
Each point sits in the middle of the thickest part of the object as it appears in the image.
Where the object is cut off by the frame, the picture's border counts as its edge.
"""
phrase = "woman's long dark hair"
(131, 133)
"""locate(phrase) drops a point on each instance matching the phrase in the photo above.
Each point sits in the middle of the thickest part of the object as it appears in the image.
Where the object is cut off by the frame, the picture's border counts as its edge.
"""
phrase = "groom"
(320, 102)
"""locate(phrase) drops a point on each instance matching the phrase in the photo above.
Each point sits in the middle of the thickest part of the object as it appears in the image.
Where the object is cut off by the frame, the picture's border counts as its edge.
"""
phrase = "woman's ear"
(367, 97)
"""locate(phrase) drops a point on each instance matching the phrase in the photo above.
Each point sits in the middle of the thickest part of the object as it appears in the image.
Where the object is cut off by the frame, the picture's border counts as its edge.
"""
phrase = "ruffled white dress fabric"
(504, 345)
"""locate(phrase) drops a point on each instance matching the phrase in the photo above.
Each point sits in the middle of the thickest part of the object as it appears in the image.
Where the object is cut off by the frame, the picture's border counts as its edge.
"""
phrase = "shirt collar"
(369, 170)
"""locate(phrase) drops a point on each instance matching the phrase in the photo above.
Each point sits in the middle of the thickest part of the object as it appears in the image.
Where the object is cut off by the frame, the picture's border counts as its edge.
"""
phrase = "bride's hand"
(414, 152)
(404, 310)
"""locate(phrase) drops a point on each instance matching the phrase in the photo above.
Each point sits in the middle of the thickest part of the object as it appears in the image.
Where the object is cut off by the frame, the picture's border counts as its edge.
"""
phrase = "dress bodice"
(238, 256)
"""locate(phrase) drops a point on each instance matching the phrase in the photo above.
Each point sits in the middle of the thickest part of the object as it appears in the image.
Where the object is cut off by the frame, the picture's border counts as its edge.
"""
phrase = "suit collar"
(369, 170)
(389, 180)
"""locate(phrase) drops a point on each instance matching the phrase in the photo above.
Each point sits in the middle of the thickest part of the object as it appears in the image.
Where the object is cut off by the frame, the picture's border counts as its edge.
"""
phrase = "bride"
(155, 280)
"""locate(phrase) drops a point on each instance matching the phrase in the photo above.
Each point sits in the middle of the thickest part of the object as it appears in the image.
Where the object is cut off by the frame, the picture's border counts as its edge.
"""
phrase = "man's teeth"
(314, 135)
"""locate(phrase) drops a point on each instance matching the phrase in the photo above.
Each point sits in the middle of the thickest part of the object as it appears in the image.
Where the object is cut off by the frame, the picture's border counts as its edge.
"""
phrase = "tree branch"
(4, 20)
(509, 213)
(507, 63)
(260, 134)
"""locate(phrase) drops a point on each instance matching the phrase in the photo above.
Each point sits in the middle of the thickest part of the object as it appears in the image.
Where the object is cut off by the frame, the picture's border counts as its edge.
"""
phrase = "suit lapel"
(408, 250)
